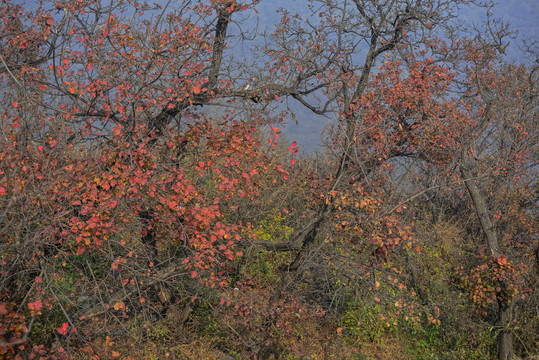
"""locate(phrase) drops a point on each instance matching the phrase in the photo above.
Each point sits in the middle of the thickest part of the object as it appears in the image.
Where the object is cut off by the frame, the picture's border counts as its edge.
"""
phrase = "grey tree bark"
(505, 310)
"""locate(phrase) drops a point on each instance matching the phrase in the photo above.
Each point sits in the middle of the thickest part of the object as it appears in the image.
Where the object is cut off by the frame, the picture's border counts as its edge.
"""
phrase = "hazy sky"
(522, 14)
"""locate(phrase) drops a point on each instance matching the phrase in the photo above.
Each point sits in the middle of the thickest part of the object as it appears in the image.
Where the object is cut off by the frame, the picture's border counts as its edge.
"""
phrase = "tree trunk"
(505, 338)
(505, 314)
(481, 209)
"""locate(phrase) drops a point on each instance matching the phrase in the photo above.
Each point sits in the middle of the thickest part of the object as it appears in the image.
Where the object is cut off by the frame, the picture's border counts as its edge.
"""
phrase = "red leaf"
(36, 305)
(63, 329)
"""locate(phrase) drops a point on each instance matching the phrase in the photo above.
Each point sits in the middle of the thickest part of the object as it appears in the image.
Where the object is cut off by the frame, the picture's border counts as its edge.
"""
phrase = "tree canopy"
(150, 200)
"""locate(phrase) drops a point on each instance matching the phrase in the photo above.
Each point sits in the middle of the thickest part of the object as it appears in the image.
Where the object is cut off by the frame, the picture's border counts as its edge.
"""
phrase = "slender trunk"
(481, 209)
(505, 339)
(505, 311)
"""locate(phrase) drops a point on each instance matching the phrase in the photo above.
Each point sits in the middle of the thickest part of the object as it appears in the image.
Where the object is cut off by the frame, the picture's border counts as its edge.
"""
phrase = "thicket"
(151, 207)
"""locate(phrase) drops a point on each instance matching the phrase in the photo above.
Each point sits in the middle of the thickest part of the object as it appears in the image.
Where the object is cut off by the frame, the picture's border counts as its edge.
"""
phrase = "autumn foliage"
(155, 203)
